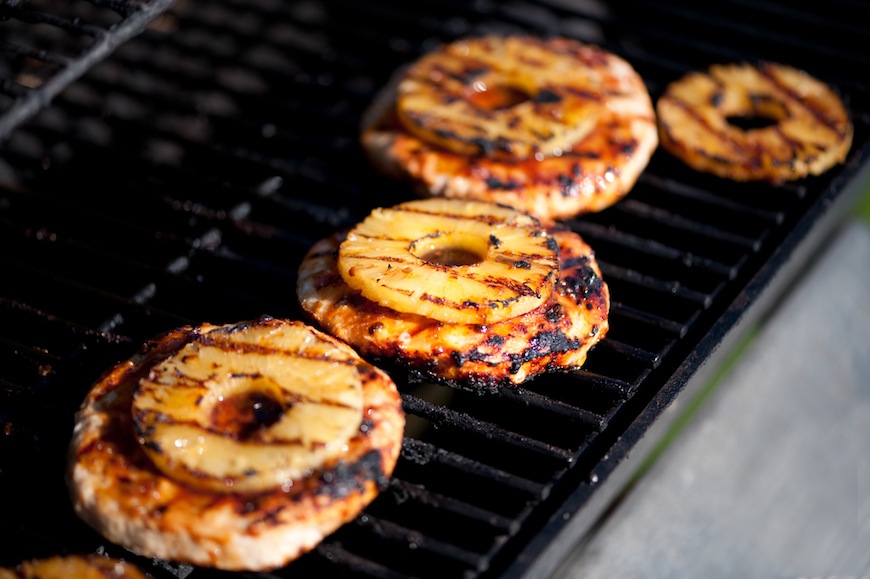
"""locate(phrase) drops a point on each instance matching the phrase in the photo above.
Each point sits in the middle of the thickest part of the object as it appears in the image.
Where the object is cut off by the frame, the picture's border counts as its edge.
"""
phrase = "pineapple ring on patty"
(450, 260)
(73, 566)
(556, 336)
(246, 408)
(117, 489)
(511, 97)
(809, 130)
(592, 172)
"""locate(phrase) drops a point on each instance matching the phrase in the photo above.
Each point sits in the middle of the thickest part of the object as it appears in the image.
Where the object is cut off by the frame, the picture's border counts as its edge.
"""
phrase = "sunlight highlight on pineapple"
(509, 265)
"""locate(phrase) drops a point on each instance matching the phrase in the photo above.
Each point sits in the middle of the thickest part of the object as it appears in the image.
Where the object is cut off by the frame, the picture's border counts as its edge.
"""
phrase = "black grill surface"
(181, 178)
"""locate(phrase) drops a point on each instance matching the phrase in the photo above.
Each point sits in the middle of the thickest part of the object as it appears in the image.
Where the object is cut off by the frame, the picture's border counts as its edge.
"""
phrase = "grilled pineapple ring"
(809, 130)
(246, 408)
(513, 97)
(451, 260)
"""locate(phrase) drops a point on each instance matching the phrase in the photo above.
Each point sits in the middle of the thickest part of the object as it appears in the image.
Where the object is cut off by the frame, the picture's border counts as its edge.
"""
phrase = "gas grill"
(169, 163)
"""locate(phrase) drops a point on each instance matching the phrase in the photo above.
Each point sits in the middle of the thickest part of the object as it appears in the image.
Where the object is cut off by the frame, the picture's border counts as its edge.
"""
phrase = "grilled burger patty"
(555, 336)
(260, 385)
(474, 154)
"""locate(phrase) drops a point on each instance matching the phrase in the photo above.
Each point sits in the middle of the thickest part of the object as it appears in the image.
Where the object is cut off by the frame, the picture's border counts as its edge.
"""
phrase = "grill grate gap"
(442, 418)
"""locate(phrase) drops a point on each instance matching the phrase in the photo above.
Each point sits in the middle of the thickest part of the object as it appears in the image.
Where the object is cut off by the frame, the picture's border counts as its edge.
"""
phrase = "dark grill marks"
(724, 137)
(807, 104)
(210, 340)
(465, 75)
(546, 96)
(508, 185)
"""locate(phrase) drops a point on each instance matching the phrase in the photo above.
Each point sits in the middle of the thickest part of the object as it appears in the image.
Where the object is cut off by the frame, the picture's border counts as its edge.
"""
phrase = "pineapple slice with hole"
(248, 407)
(512, 97)
(463, 262)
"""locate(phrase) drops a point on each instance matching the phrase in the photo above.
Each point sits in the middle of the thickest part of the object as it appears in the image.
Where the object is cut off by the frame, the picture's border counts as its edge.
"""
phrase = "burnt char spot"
(552, 244)
(489, 146)
(628, 148)
(140, 430)
(496, 183)
(346, 479)
(566, 185)
(460, 358)
(468, 75)
(495, 340)
(495, 241)
(549, 342)
(366, 372)
(582, 284)
(153, 446)
(716, 98)
(522, 264)
(543, 344)
(446, 134)
(438, 299)
(243, 326)
(375, 328)
(555, 313)
(546, 97)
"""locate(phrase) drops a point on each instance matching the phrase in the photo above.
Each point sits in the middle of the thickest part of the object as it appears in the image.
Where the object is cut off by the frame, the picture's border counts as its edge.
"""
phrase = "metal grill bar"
(28, 103)
(419, 451)
(444, 416)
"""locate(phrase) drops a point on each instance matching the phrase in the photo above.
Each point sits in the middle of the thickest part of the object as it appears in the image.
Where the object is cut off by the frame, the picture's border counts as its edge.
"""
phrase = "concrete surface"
(771, 479)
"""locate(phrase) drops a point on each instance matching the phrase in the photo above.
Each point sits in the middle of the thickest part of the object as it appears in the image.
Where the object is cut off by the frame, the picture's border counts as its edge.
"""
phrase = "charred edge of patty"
(584, 285)
(345, 479)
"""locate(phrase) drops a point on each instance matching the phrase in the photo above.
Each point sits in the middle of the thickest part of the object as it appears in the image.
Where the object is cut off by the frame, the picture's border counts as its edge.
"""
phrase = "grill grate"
(48, 45)
(182, 178)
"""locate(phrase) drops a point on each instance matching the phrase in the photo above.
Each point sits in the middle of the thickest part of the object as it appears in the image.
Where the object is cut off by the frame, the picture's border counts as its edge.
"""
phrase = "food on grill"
(500, 97)
(552, 127)
(237, 447)
(805, 129)
(453, 261)
(554, 336)
(73, 567)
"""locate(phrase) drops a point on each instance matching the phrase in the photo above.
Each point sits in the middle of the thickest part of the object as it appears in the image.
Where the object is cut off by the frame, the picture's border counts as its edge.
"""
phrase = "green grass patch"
(862, 209)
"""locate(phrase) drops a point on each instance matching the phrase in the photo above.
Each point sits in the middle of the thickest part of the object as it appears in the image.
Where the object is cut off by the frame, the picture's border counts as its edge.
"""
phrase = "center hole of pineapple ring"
(496, 97)
(451, 249)
(241, 414)
(763, 111)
